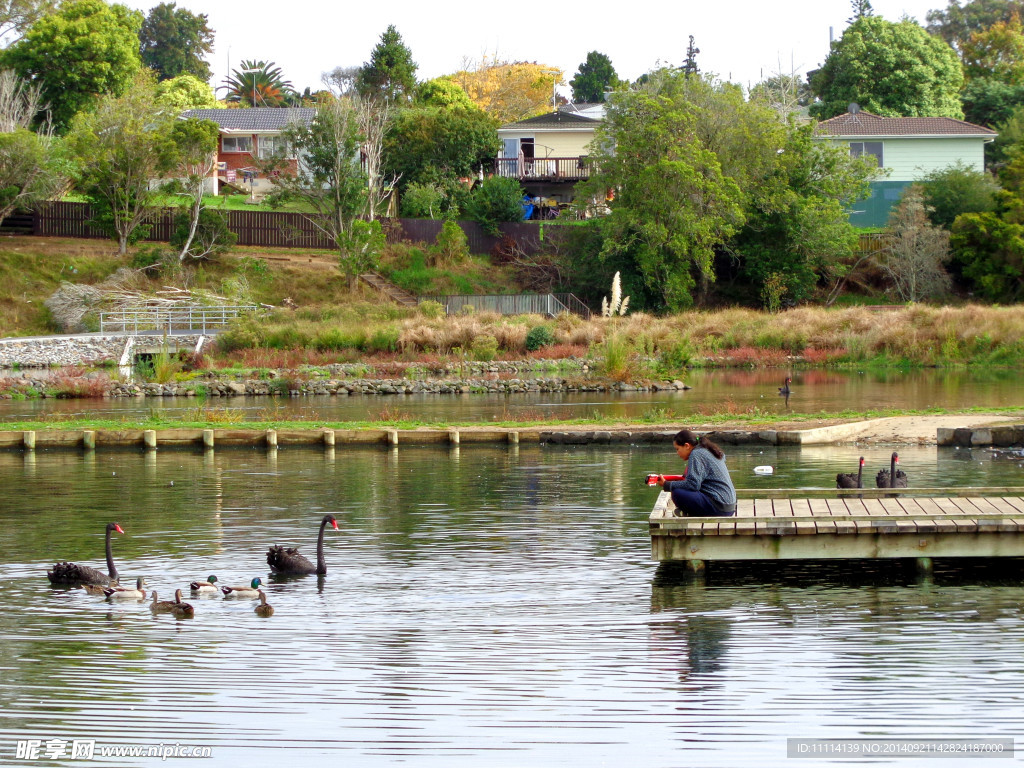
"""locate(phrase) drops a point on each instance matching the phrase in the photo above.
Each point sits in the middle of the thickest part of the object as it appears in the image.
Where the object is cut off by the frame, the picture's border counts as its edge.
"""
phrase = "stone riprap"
(76, 350)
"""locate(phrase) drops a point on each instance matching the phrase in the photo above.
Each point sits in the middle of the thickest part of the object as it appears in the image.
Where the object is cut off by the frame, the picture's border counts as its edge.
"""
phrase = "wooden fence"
(278, 229)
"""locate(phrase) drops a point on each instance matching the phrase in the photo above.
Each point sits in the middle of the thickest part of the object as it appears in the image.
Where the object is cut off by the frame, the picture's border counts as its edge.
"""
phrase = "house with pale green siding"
(906, 148)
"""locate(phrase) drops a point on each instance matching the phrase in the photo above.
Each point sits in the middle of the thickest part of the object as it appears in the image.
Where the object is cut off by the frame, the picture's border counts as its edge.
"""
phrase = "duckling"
(264, 609)
(250, 592)
(204, 587)
(124, 593)
(182, 610)
(163, 606)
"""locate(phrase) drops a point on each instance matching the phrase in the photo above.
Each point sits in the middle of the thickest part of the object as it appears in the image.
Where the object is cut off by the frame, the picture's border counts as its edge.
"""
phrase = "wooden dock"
(865, 523)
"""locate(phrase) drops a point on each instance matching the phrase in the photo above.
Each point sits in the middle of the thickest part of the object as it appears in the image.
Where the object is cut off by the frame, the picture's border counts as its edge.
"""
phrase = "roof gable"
(554, 121)
(256, 119)
(867, 124)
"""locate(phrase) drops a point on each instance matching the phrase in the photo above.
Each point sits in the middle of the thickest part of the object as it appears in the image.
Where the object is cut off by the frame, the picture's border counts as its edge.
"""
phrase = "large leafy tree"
(509, 90)
(258, 84)
(593, 78)
(174, 41)
(84, 50)
(123, 144)
(958, 22)
(390, 73)
(187, 92)
(433, 145)
(673, 205)
(893, 69)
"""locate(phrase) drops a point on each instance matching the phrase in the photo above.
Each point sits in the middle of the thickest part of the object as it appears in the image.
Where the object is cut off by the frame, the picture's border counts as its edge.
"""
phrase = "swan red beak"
(335, 524)
(118, 528)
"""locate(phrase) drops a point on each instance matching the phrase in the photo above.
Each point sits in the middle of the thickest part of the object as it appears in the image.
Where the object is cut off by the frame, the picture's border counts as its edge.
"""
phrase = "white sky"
(740, 40)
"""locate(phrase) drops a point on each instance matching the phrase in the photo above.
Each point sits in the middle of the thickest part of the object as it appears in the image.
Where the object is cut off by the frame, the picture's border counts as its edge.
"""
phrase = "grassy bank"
(208, 417)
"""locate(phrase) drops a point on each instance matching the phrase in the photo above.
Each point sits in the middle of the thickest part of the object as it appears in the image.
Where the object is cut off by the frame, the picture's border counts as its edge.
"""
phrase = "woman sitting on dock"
(706, 490)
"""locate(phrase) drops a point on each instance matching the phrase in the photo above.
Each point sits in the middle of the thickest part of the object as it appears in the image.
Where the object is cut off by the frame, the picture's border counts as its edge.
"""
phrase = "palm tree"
(258, 84)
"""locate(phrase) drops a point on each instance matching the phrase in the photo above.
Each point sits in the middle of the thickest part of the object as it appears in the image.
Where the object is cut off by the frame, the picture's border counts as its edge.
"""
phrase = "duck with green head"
(204, 587)
(248, 592)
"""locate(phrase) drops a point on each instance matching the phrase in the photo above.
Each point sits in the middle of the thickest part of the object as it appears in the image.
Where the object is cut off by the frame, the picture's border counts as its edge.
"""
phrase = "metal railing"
(518, 304)
(171, 319)
(554, 168)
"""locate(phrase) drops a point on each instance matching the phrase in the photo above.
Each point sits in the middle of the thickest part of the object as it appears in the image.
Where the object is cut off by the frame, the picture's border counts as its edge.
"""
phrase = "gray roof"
(565, 121)
(867, 124)
(256, 119)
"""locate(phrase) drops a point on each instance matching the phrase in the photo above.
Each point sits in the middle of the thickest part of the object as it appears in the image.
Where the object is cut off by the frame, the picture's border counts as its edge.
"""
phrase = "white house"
(908, 148)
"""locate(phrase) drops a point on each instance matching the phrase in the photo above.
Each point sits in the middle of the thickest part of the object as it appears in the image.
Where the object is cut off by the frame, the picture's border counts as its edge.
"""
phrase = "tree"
(16, 16)
(498, 199)
(33, 164)
(84, 50)
(196, 145)
(957, 23)
(954, 190)
(428, 145)
(593, 78)
(996, 53)
(509, 91)
(861, 8)
(390, 73)
(690, 64)
(785, 94)
(673, 205)
(890, 69)
(913, 260)
(331, 183)
(258, 84)
(443, 92)
(174, 41)
(186, 92)
(989, 102)
(124, 144)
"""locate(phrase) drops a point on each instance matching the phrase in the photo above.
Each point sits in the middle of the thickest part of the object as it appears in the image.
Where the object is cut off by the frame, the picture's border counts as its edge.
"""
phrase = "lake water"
(484, 606)
(713, 390)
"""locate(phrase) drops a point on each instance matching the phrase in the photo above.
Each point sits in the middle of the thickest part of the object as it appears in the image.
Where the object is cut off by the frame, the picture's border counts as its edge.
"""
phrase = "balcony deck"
(555, 169)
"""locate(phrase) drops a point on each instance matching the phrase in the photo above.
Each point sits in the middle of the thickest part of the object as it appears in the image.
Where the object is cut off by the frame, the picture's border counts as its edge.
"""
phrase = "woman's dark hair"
(686, 437)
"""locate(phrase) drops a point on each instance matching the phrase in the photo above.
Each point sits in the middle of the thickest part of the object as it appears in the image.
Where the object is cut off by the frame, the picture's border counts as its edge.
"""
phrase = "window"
(272, 146)
(858, 148)
(236, 144)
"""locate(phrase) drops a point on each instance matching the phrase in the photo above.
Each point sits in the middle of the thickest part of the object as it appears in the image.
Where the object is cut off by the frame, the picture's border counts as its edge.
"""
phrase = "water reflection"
(490, 606)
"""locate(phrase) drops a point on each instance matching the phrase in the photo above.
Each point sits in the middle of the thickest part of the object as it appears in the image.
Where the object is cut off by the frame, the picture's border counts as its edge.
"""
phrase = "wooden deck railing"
(545, 169)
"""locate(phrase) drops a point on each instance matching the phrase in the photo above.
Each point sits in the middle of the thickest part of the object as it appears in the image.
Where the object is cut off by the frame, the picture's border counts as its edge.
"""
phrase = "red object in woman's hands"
(653, 478)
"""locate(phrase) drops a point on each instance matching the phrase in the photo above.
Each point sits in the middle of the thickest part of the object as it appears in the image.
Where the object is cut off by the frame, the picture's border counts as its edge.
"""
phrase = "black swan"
(850, 480)
(288, 560)
(892, 477)
(74, 574)
(784, 389)
(264, 609)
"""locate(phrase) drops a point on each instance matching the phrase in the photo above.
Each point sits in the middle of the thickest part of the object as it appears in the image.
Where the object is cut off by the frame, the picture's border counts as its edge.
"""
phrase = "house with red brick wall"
(246, 137)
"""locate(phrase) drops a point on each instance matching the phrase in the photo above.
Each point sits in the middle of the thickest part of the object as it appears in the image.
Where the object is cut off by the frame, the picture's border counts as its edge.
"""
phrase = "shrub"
(496, 200)
(431, 309)
(485, 348)
(539, 336)
(212, 237)
(451, 244)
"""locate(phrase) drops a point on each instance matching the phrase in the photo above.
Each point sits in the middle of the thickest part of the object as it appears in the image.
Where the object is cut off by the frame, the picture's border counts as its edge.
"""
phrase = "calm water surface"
(484, 606)
(813, 391)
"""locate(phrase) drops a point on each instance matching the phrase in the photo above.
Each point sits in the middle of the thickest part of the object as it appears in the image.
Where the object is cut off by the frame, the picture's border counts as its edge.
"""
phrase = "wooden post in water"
(272, 439)
(453, 437)
(697, 566)
(149, 439)
(328, 438)
(513, 437)
(89, 440)
(924, 565)
(392, 437)
(208, 439)
(28, 440)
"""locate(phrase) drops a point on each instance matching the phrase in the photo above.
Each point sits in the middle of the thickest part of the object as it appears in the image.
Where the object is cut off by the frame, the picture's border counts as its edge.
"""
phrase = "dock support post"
(696, 566)
(328, 438)
(924, 565)
(392, 437)
(89, 440)
(207, 439)
(271, 439)
(149, 439)
(453, 437)
(28, 440)
(513, 437)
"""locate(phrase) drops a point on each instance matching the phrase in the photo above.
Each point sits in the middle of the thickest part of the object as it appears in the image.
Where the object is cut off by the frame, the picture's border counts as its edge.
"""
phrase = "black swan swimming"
(73, 574)
(288, 560)
(892, 477)
(850, 480)
(784, 389)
